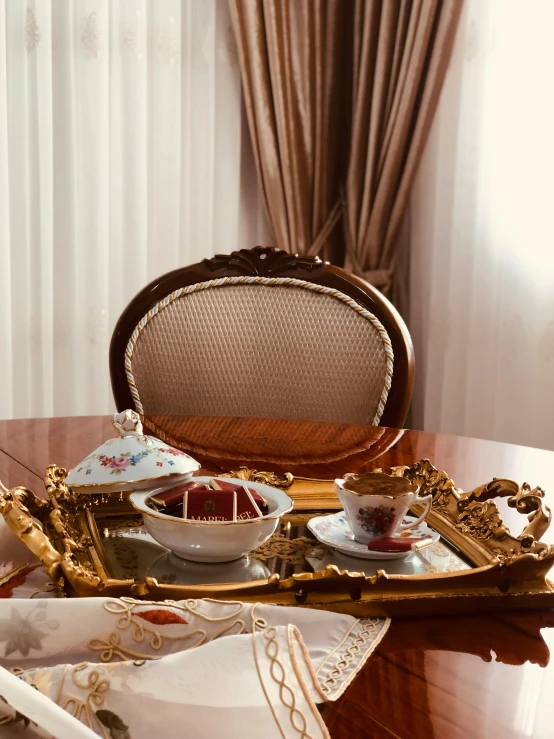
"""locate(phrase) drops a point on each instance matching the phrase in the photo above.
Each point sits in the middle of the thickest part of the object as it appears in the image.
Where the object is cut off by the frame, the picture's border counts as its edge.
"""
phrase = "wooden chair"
(263, 333)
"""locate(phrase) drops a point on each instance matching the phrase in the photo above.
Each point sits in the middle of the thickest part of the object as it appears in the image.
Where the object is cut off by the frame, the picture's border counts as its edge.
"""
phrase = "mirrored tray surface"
(127, 551)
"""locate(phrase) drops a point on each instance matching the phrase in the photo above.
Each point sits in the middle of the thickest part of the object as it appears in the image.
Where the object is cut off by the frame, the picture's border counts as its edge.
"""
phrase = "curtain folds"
(289, 54)
(123, 154)
(401, 53)
(340, 96)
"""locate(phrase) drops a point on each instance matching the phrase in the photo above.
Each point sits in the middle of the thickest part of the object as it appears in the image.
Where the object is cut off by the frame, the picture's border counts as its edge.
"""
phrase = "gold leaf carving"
(268, 478)
(481, 520)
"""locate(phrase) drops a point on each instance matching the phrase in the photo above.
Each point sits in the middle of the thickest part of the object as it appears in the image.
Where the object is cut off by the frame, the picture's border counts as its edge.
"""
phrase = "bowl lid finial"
(128, 423)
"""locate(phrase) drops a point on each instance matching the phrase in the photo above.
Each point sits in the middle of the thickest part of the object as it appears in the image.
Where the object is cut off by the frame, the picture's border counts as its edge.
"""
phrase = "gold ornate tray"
(98, 546)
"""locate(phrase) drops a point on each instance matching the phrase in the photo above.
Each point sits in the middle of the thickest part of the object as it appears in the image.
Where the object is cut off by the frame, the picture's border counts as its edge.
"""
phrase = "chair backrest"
(263, 333)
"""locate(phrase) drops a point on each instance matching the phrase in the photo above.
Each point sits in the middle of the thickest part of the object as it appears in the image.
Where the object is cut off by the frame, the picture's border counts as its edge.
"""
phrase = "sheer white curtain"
(123, 154)
(482, 233)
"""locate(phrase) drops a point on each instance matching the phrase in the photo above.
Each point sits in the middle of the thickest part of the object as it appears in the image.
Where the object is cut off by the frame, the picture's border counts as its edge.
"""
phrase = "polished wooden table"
(447, 677)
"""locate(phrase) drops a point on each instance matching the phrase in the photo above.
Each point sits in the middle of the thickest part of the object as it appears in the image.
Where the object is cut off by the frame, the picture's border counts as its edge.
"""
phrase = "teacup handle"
(427, 499)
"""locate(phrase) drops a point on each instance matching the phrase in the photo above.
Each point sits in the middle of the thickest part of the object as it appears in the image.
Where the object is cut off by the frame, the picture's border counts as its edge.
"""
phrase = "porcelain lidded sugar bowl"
(131, 461)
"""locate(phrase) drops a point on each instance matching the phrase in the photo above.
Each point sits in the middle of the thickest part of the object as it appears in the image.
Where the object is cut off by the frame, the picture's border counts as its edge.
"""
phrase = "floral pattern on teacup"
(376, 520)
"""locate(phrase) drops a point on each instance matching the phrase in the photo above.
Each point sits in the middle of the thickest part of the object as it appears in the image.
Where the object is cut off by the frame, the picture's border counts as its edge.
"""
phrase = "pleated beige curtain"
(340, 95)
(288, 55)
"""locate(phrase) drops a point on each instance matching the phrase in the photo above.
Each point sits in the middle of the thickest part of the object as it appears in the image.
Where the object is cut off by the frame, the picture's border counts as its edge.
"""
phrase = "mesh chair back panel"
(259, 350)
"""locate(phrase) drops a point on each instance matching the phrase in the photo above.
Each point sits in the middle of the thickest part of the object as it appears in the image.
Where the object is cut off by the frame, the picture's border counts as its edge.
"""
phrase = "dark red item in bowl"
(168, 498)
(260, 501)
(219, 500)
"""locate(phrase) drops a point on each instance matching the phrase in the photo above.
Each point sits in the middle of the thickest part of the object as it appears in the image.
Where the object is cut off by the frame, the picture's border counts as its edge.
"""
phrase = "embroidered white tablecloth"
(123, 668)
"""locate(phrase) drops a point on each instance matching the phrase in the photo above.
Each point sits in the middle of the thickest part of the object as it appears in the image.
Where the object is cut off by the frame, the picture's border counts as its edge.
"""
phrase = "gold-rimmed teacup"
(375, 504)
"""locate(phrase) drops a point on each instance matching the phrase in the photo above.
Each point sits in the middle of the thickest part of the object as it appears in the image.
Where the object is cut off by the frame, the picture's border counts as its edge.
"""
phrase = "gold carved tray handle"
(525, 500)
(28, 517)
(22, 511)
(475, 514)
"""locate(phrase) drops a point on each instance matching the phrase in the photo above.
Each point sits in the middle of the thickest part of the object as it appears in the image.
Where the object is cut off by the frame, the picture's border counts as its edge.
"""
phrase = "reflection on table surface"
(454, 677)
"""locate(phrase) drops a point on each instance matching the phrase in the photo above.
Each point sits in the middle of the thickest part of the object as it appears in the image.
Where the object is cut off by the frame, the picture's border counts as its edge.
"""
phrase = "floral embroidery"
(118, 729)
(13, 717)
(32, 31)
(94, 682)
(151, 638)
(161, 617)
(169, 44)
(15, 579)
(159, 464)
(21, 634)
(93, 34)
(135, 37)
(376, 519)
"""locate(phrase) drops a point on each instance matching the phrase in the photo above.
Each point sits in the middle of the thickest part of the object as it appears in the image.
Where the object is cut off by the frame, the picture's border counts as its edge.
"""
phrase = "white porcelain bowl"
(213, 541)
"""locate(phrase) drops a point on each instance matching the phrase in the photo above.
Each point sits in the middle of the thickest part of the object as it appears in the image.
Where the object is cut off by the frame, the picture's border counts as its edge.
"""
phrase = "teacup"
(375, 504)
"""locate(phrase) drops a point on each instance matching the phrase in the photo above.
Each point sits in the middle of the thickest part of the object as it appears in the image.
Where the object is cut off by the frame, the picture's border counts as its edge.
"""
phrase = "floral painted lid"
(131, 461)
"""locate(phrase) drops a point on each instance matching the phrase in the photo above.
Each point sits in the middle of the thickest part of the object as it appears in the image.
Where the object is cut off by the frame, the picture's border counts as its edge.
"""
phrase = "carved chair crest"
(262, 261)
